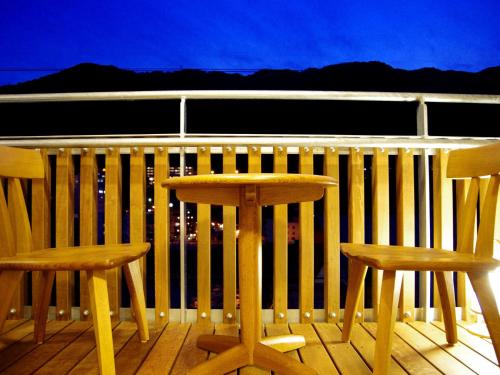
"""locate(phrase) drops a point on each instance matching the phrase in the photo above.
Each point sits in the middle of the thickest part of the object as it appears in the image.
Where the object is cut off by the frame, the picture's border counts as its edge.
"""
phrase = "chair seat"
(395, 258)
(75, 258)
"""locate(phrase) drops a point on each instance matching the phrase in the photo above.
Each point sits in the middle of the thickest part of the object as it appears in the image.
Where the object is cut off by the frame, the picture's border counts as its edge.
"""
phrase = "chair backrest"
(475, 163)
(15, 230)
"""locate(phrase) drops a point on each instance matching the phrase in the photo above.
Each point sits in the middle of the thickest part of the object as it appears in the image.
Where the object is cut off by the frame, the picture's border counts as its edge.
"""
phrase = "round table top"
(242, 179)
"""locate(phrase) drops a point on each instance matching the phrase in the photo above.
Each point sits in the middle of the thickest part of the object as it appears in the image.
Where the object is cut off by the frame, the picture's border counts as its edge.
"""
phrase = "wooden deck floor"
(419, 348)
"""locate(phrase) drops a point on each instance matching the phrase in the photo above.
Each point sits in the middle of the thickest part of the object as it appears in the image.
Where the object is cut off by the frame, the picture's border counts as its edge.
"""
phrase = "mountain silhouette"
(255, 116)
(358, 76)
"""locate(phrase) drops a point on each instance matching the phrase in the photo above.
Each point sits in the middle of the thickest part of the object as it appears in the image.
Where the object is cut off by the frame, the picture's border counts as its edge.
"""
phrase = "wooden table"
(250, 192)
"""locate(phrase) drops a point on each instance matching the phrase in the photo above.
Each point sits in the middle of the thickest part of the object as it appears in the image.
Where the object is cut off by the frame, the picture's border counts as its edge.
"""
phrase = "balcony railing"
(106, 188)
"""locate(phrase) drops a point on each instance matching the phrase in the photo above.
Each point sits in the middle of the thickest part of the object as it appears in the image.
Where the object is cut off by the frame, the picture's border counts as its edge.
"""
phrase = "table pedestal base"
(220, 343)
(262, 356)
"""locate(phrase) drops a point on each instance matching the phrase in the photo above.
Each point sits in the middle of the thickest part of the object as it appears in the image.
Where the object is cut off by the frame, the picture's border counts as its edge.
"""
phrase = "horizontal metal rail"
(341, 142)
(252, 95)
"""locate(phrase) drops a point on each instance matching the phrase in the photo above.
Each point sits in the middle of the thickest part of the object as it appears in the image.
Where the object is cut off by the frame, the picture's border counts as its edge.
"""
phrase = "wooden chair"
(17, 257)
(465, 163)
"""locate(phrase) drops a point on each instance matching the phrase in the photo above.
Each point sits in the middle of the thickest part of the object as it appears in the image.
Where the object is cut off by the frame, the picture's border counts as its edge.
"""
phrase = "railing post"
(424, 208)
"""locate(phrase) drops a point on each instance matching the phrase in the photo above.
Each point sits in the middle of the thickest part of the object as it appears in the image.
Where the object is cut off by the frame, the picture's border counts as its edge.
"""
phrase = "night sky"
(40, 37)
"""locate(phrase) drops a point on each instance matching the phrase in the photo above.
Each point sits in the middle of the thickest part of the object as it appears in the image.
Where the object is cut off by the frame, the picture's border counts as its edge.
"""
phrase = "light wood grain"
(21, 163)
(357, 273)
(473, 162)
(442, 209)
(306, 245)
(405, 226)
(203, 236)
(162, 356)
(313, 354)
(280, 245)
(161, 237)
(356, 209)
(229, 245)
(470, 358)
(113, 222)
(430, 351)
(137, 229)
(331, 258)
(18, 348)
(343, 354)
(465, 243)
(88, 217)
(64, 229)
(380, 215)
(99, 302)
(132, 271)
(391, 285)
(190, 355)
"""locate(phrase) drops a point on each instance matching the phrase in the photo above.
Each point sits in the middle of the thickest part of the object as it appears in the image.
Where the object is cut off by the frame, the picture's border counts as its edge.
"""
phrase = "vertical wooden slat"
(356, 208)
(405, 208)
(331, 266)
(280, 243)
(161, 237)
(464, 288)
(40, 219)
(113, 224)
(380, 214)
(204, 242)
(88, 218)
(306, 245)
(64, 229)
(138, 202)
(255, 166)
(229, 244)
(443, 209)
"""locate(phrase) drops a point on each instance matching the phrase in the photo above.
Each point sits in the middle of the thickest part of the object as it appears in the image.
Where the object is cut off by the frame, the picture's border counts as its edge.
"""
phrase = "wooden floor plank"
(46, 351)
(14, 335)
(162, 356)
(364, 344)
(72, 354)
(405, 355)
(462, 353)
(121, 335)
(134, 352)
(419, 348)
(476, 343)
(345, 357)
(439, 358)
(11, 324)
(190, 354)
(313, 354)
(15, 352)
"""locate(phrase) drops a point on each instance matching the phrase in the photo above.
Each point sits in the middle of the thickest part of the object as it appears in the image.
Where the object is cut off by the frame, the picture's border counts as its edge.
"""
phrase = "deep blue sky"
(233, 35)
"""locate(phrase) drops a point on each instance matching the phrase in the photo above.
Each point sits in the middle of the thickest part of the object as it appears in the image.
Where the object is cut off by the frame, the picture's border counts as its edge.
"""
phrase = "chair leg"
(389, 298)
(9, 282)
(225, 362)
(481, 284)
(46, 281)
(99, 303)
(357, 273)
(133, 276)
(444, 282)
